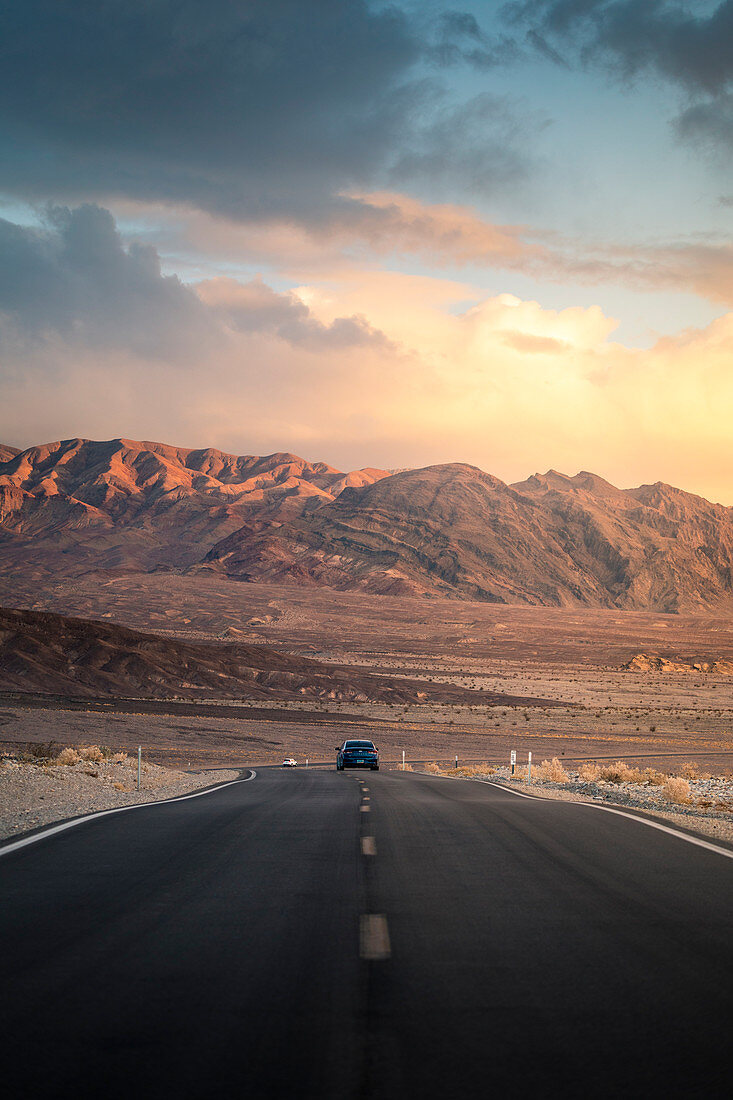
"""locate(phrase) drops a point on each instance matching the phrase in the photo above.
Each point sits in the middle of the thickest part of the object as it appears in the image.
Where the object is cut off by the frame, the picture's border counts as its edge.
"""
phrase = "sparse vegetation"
(67, 756)
(552, 770)
(677, 789)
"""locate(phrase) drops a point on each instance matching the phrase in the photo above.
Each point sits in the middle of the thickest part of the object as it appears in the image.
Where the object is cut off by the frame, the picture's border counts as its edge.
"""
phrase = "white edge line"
(13, 847)
(697, 841)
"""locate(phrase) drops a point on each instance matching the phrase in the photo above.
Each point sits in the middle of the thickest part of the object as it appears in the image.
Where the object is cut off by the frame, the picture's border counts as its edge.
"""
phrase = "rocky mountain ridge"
(451, 530)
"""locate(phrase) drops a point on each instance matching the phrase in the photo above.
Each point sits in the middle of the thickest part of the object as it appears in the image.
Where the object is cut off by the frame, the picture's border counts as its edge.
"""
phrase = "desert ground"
(571, 656)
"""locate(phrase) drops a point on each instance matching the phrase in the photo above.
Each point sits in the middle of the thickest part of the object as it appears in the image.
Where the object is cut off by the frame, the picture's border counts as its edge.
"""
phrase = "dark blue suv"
(357, 754)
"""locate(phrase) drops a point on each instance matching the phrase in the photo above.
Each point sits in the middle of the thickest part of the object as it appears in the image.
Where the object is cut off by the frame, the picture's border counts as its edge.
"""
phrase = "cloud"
(74, 282)
(693, 50)
(460, 39)
(256, 307)
(75, 279)
(268, 109)
(505, 384)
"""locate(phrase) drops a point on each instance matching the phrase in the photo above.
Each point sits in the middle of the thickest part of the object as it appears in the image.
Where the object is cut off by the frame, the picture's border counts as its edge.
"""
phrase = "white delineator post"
(139, 764)
(513, 759)
(403, 759)
(529, 767)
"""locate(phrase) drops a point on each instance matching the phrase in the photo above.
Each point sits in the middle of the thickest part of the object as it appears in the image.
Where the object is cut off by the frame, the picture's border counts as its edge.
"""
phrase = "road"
(299, 936)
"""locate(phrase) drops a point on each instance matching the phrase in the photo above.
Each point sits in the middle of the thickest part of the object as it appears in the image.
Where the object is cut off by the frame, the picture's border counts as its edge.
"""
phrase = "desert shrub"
(42, 752)
(468, 771)
(552, 770)
(620, 772)
(91, 752)
(433, 768)
(589, 773)
(689, 770)
(67, 756)
(119, 786)
(118, 758)
(677, 789)
(653, 778)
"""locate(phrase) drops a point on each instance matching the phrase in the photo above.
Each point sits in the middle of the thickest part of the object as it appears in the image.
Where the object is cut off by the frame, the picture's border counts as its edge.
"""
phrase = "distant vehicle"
(290, 763)
(357, 754)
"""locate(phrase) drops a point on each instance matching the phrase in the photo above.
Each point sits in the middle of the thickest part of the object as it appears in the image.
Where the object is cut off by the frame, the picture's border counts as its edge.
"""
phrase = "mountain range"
(81, 506)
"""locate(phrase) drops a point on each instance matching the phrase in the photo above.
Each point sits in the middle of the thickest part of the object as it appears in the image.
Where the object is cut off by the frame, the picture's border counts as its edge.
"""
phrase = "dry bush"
(552, 770)
(67, 756)
(92, 753)
(620, 772)
(589, 773)
(434, 769)
(689, 770)
(119, 786)
(42, 752)
(118, 758)
(677, 789)
(468, 771)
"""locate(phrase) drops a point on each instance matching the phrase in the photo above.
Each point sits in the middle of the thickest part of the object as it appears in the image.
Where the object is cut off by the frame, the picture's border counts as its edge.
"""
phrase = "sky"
(374, 234)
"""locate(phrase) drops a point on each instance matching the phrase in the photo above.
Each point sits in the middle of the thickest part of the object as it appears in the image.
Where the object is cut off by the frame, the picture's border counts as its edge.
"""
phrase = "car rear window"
(359, 745)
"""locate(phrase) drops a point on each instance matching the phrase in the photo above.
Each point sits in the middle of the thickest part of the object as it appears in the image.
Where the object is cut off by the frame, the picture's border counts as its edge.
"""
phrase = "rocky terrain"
(75, 508)
(645, 662)
(454, 530)
(37, 791)
(79, 505)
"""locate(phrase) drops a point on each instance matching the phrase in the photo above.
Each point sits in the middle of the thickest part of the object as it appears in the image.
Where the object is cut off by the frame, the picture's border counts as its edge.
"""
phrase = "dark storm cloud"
(694, 50)
(258, 109)
(75, 280)
(691, 49)
(459, 38)
(484, 136)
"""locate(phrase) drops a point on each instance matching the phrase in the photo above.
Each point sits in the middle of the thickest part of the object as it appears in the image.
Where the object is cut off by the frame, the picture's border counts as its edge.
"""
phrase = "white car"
(290, 763)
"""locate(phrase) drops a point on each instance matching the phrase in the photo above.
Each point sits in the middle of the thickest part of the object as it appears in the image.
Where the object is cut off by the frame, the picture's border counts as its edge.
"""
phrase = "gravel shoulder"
(703, 819)
(33, 795)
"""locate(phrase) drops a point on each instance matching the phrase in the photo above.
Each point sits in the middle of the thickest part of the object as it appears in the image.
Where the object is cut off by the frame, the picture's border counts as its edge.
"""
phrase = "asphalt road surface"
(299, 936)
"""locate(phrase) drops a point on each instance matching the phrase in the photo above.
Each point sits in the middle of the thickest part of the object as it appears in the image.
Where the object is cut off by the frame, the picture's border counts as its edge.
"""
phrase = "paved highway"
(324, 935)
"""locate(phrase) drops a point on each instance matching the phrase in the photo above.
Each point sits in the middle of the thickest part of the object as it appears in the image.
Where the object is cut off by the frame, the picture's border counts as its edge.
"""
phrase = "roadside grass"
(620, 772)
(677, 789)
(674, 788)
(47, 753)
(552, 771)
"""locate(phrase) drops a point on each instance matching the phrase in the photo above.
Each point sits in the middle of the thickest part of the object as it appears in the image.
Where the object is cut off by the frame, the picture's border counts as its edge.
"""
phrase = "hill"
(77, 507)
(551, 540)
(54, 654)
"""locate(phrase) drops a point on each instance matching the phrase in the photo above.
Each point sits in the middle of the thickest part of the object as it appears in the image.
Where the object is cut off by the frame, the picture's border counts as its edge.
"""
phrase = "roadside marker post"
(403, 759)
(306, 761)
(139, 764)
(456, 759)
(513, 759)
(529, 768)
